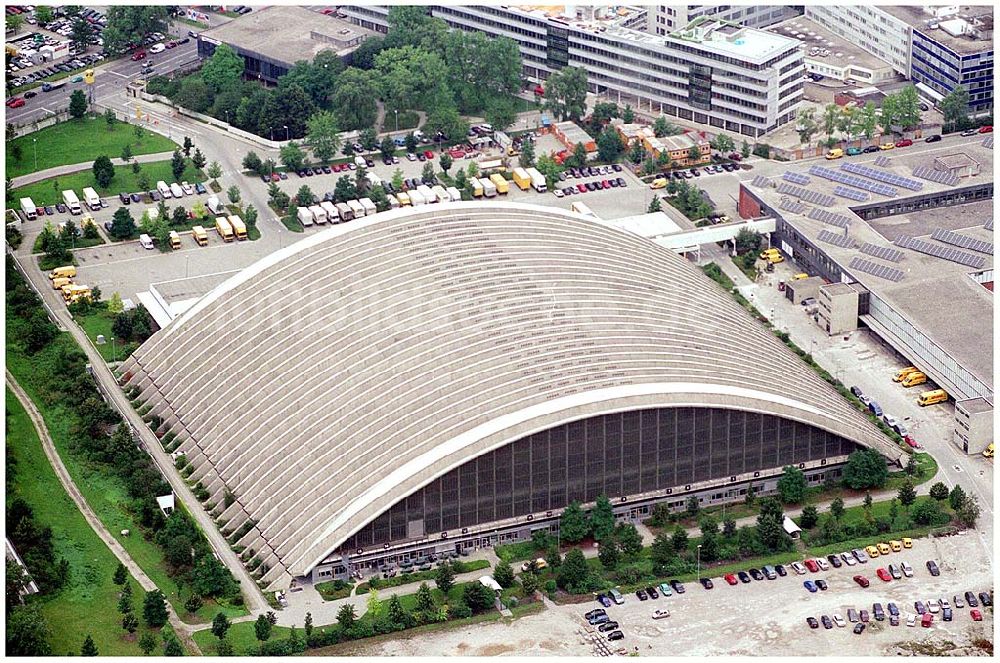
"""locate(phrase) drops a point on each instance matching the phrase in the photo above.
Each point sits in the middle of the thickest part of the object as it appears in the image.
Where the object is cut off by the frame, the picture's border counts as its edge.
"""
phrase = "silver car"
(798, 568)
(848, 558)
(860, 555)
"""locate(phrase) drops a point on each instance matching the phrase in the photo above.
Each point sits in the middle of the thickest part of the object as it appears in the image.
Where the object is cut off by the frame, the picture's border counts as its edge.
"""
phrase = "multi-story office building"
(939, 48)
(664, 19)
(712, 72)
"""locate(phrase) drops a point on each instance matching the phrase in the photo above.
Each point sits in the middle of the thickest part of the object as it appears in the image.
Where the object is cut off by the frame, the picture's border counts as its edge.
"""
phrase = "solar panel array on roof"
(988, 142)
(883, 252)
(966, 242)
(875, 269)
(945, 252)
(796, 178)
(853, 180)
(988, 225)
(935, 175)
(882, 160)
(814, 197)
(824, 216)
(851, 194)
(882, 176)
(761, 181)
(843, 241)
(794, 206)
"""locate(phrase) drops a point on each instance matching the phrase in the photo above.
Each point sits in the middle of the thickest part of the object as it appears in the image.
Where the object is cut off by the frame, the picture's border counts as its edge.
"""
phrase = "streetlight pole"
(699, 562)
(395, 112)
(34, 144)
(286, 133)
(114, 354)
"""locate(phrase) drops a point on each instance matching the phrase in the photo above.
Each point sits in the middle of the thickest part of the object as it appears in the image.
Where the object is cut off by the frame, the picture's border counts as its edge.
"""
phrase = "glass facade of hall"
(617, 455)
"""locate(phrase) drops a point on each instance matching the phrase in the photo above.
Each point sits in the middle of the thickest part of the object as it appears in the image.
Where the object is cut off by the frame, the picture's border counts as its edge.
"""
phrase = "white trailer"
(214, 205)
(416, 198)
(373, 179)
(72, 202)
(357, 208)
(426, 192)
(393, 201)
(537, 180)
(176, 189)
(345, 211)
(454, 194)
(332, 215)
(305, 216)
(92, 199)
(319, 214)
(29, 209)
(441, 194)
(369, 206)
(489, 188)
(164, 190)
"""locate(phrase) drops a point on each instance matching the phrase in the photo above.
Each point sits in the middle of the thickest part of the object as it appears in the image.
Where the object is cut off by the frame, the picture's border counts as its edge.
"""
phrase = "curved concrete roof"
(331, 379)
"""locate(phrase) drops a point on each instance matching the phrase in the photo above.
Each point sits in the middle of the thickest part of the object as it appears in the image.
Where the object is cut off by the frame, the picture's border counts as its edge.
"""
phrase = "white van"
(164, 190)
(176, 189)
(145, 241)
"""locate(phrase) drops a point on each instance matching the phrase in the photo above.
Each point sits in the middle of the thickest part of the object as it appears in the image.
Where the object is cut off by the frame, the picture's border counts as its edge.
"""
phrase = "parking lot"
(765, 617)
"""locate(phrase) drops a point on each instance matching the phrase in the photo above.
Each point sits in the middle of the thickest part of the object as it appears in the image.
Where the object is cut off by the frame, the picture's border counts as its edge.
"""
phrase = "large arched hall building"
(455, 375)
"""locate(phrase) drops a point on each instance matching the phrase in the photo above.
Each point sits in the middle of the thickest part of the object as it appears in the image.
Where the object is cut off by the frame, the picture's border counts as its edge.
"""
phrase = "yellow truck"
(903, 372)
(988, 451)
(835, 154)
(500, 182)
(477, 188)
(175, 240)
(57, 284)
(72, 293)
(522, 179)
(200, 235)
(224, 229)
(67, 272)
(931, 397)
(239, 227)
(913, 379)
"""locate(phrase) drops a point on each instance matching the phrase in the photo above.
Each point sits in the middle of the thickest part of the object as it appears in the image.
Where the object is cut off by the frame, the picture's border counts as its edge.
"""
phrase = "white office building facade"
(878, 32)
(743, 81)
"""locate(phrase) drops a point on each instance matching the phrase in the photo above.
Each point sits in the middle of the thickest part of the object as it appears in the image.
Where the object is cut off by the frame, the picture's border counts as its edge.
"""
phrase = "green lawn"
(105, 494)
(87, 604)
(78, 141)
(49, 192)
(241, 635)
(334, 589)
(79, 243)
(99, 321)
(418, 576)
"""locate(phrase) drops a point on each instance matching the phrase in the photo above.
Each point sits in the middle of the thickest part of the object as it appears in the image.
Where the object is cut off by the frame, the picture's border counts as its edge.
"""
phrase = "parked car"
(861, 580)
(822, 563)
(839, 621)
(780, 570)
(827, 622)
(896, 573)
(731, 579)
(926, 620)
(883, 575)
(812, 565)
(756, 574)
(769, 572)
(616, 635)
(743, 576)
(653, 594)
(604, 600)
(976, 615)
(822, 585)
(607, 626)
(665, 589)
(933, 568)
(706, 583)
(798, 568)
(870, 149)
(906, 142)
(985, 599)
(848, 558)
(970, 598)
(919, 607)
(878, 611)
(679, 588)
(860, 554)
(859, 628)
(986, 129)
(852, 615)
(595, 612)
(865, 617)
(835, 561)
(812, 622)
(811, 586)
(933, 139)
(661, 613)
(641, 595)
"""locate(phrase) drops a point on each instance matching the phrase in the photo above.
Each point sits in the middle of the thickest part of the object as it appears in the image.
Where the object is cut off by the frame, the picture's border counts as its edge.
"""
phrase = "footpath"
(67, 169)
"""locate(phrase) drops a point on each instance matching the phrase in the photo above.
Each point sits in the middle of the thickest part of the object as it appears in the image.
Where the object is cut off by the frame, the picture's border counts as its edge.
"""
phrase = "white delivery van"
(426, 192)
(305, 216)
(416, 198)
(357, 208)
(72, 202)
(441, 193)
(145, 241)
(332, 215)
(368, 205)
(164, 190)
(489, 188)
(393, 201)
(176, 189)
(213, 204)
(29, 209)
(454, 194)
(92, 199)
(345, 212)
(360, 162)
(319, 214)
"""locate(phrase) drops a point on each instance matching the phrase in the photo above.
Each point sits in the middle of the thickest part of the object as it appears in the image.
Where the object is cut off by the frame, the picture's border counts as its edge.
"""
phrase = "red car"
(731, 579)
(927, 620)
(986, 129)
(456, 153)
(910, 441)
(275, 177)
(812, 565)
(906, 142)
(428, 154)
(582, 188)
(138, 55)
(884, 575)
(976, 615)
(16, 102)
(606, 184)
(861, 580)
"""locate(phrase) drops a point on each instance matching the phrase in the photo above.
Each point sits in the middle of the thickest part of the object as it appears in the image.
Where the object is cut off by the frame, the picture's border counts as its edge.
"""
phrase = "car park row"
(924, 613)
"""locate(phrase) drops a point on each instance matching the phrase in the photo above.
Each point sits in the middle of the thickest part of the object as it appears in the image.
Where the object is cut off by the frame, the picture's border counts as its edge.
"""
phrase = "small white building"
(490, 583)
(166, 504)
(791, 528)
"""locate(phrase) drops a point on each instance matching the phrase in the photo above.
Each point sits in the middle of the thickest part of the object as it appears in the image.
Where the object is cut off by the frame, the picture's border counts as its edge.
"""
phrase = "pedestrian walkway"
(67, 169)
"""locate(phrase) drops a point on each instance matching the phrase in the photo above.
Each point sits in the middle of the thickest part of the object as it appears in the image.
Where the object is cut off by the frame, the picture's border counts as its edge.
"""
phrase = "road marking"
(111, 71)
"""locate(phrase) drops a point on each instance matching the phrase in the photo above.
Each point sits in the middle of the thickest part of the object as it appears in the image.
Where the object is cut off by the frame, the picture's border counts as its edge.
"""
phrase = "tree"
(214, 170)
(195, 94)
(679, 539)
(130, 622)
(912, 468)
(573, 525)
(305, 196)
(609, 145)
(375, 607)
(969, 512)
(292, 156)
(723, 144)
(188, 144)
(179, 216)
(323, 135)
(353, 100)
(224, 648)
(110, 119)
(745, 150)
(262, 628)
(388, 148)
(77, 104)
(867, 503)
(837, 508)
(527, 156)
(147, 643)
(252, 162)
(127, 152)
(552, 557)
(957, 497)
(177, 164)
(529, 583)
(223, 69)
(663, 552)
(748, 241)
(198, 159)
(445, 577)
(154, 609)
(866, 120)
(566, 93)
(425, 600)
(104, 172)
(478, 597)
(865, 469)
(927, 512)
(503, 574)
(939, 491)
(286, 106)
(907, 495)
(122, 224)
(908, 105)
(397, 614)
(125, 600)
(729, 528)
(14, 22)
(654, 205)
(233, 193)
(446, 162)
(220, 625)
(346, 617)
(121, 573)
(574, 574)
(692, 507)
(662, 127)
(629, 540)
(250, 216)
(89, 648)
(28, 633)
(609, 554)
(770, 530)
(955, 108)
(172, 646)
(602, 519)
(809, 517)
(792, 485)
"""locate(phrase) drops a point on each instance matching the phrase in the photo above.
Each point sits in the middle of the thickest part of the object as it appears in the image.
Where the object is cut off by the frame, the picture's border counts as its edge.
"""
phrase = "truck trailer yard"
(762, 618)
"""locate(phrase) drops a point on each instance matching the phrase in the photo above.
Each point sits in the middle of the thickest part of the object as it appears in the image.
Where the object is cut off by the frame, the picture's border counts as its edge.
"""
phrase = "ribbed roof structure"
(333, 378)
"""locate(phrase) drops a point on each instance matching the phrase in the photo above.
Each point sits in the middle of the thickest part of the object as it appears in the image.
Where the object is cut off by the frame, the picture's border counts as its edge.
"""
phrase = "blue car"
(399, 141)
(604, 600)
(810, 585)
